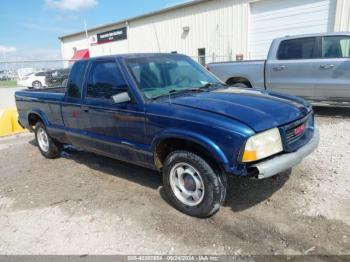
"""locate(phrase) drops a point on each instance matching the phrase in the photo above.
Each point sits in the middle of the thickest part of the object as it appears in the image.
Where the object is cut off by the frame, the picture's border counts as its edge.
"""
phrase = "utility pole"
(86, 34)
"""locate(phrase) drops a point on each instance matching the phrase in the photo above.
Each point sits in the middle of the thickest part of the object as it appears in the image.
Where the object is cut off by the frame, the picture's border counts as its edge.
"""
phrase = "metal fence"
(34, 74)
(54, 73)
(213, 58)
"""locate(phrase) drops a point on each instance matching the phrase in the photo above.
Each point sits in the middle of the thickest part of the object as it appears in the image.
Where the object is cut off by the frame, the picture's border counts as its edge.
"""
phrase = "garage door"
(277, 18)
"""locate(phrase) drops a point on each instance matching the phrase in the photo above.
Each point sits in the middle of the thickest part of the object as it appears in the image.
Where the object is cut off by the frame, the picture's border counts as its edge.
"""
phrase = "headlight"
(262, 145)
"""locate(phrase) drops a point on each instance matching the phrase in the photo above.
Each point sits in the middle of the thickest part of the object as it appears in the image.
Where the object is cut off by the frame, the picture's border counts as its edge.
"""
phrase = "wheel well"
(241, 80)
(33, 119)
(169, 145)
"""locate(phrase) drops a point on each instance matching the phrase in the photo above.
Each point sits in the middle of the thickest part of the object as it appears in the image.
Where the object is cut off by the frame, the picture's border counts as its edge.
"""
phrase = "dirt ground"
(87, 204)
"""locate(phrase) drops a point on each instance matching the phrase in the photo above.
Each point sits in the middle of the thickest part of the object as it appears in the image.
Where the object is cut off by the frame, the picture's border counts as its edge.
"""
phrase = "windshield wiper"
(175, 91)
(205, 87)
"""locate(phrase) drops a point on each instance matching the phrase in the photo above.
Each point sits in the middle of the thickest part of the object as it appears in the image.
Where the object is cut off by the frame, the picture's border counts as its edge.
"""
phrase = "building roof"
(161, 11)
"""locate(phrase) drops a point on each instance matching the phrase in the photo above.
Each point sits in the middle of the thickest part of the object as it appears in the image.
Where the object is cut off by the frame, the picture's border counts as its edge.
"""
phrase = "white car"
(33, 80)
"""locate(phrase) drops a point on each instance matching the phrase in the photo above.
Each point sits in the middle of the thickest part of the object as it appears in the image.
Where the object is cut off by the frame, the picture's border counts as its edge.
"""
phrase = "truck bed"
(252, 70)
(46, 101)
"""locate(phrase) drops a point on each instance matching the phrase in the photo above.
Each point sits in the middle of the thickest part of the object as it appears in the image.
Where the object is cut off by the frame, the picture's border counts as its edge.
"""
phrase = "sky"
(29, 29)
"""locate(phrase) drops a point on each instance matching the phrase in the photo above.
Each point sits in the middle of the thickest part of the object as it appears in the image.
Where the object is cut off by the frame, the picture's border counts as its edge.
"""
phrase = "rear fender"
(39, 113)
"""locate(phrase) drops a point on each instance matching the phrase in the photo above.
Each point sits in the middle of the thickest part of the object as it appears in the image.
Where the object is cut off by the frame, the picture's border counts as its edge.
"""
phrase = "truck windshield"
(161, 75)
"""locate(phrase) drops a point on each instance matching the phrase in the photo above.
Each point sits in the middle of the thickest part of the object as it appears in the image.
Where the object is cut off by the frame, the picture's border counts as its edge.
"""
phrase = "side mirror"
(121, 98)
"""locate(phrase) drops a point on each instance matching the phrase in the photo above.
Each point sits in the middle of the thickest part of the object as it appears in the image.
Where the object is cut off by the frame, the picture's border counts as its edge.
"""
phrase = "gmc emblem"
(299, 130)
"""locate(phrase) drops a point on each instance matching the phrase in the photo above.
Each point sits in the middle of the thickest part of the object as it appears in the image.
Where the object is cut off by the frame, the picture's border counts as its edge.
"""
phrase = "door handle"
(85, 108)
(278, 68)
(328, 66)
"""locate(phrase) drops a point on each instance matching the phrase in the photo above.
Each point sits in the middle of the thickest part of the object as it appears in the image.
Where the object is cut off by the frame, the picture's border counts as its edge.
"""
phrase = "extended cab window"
(40, 74)
(76, 78)
(336, 47)
(301, 48)
(105, 80)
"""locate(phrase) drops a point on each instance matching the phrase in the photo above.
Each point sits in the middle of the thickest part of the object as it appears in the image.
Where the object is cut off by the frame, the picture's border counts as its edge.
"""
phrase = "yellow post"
(8, 122)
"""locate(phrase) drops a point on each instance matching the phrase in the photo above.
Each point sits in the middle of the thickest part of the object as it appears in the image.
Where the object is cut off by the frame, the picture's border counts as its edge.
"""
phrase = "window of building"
(336, 47)
(105, 81)
(75, 83)
(301, 48)
(201, 56)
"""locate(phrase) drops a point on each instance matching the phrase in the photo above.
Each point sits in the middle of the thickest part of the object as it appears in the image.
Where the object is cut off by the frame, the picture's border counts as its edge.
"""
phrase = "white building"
(218, 30)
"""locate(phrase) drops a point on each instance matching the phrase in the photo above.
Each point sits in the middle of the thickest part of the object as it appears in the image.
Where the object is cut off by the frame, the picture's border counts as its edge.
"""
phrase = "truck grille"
(298, 133)
(293, 133)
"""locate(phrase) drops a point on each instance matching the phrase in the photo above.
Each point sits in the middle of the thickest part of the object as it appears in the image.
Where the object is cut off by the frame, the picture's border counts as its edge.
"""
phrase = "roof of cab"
(133, 55)
(313, 35)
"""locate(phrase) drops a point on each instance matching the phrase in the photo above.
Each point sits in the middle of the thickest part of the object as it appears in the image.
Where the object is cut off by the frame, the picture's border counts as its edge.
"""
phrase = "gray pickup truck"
(315, 67)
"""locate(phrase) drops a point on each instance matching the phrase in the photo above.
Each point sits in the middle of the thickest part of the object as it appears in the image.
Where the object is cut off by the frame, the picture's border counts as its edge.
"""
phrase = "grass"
(8, 83)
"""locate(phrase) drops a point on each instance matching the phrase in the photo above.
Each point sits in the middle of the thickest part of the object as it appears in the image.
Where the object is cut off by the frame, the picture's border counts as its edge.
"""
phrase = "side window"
(105, 81)
(75, 82)
(301, 48)
(336, 47)
(40, 74)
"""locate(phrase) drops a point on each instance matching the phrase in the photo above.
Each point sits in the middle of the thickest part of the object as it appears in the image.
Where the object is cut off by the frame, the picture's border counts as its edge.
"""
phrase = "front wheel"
(192, 184)
(47, 146)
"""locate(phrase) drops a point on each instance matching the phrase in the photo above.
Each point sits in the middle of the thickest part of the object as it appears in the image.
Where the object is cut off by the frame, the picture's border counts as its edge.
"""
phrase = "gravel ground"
(87, 204)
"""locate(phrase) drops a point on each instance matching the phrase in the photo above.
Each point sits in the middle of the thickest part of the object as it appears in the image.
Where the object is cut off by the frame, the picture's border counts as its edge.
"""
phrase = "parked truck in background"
(315, 67)
(166, 112)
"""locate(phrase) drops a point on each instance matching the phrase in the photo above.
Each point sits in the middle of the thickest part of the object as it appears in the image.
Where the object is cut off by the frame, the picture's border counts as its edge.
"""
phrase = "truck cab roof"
(312, 35)
(133, 55)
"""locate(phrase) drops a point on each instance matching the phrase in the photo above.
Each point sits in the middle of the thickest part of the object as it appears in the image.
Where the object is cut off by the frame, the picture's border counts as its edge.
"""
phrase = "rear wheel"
(47, 146)
(37, 84)
(192, 184)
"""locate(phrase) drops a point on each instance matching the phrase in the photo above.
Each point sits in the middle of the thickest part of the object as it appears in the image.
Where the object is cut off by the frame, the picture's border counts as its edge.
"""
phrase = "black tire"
(53, 149)
(214, 184)
(240, 85)
(37, 85)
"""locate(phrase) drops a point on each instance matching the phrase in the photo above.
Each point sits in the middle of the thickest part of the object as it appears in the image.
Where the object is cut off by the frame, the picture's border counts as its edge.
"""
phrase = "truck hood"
(259, 109)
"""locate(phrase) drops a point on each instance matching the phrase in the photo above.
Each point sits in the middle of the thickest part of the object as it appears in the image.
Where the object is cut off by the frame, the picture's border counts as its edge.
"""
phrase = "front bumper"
(286, 161)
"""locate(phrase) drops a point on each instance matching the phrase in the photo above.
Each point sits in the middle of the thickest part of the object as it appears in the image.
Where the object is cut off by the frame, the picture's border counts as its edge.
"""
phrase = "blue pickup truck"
(166, 112)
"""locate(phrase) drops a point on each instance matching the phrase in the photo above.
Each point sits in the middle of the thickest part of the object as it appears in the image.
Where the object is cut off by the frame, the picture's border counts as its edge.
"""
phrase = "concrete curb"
(8, 122)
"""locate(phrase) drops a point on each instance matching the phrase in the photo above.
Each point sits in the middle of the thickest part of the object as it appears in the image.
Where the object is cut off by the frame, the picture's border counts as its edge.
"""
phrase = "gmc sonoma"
(166, 112)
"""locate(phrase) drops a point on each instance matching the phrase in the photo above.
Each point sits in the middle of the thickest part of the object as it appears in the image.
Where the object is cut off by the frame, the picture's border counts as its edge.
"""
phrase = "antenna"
(156, 35)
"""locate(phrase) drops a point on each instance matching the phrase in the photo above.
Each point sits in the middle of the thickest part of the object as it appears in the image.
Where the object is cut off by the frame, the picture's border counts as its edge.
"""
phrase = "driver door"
(116, 129)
